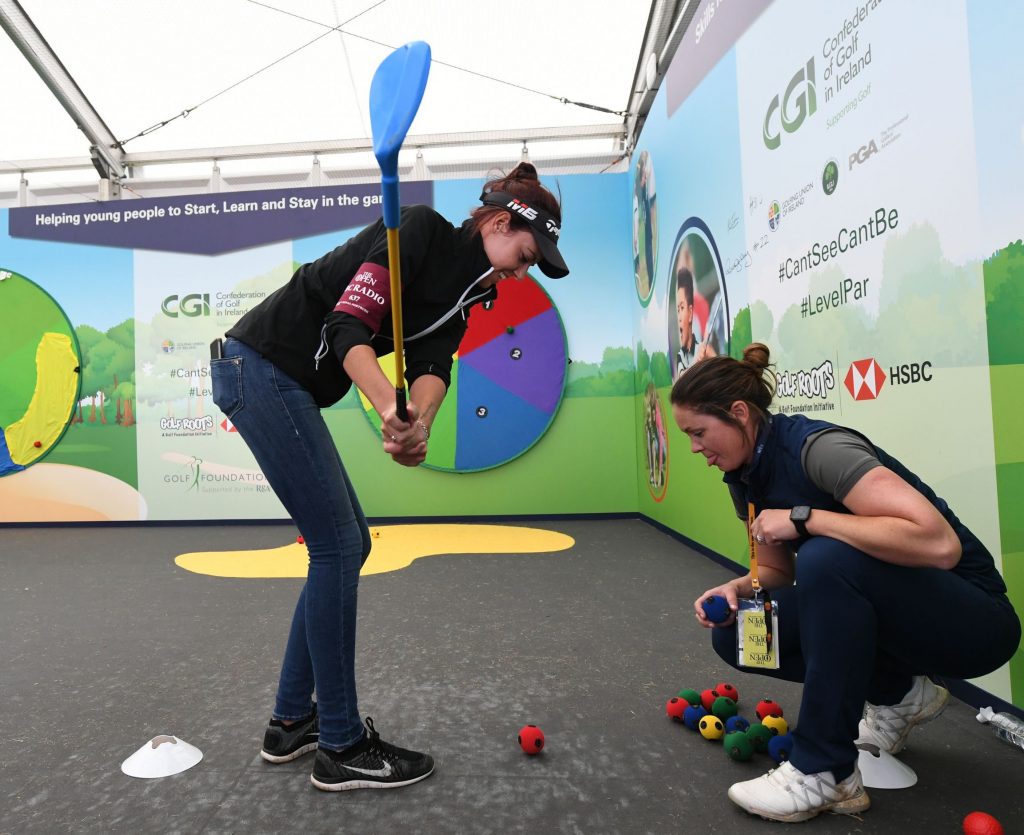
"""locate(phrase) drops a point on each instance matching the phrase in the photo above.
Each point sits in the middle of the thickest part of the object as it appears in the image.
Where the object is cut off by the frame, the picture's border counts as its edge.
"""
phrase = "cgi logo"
(524, 210)
(805, 103)
(192, 305)
(862, 154)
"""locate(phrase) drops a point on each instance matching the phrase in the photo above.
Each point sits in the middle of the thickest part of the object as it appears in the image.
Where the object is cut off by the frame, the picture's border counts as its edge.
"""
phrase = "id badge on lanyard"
(757, 621)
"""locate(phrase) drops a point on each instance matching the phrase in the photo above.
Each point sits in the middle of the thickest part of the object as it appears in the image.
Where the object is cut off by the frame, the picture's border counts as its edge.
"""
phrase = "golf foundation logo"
(798, 102)
(774, 215)
(830, 177)
(865, 379)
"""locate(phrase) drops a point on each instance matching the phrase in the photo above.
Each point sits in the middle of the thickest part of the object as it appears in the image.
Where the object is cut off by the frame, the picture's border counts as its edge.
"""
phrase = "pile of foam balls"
(715, 715)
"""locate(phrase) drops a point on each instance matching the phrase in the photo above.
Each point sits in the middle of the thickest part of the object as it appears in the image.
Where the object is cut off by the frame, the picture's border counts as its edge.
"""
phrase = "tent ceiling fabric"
(142, 62)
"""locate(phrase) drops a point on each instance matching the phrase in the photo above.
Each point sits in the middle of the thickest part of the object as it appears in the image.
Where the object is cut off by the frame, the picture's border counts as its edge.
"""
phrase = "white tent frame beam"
(668, 22)
(106, 153)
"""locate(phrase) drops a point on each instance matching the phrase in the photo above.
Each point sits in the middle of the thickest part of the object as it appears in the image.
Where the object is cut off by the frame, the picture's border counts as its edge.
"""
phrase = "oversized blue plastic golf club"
(395, 95)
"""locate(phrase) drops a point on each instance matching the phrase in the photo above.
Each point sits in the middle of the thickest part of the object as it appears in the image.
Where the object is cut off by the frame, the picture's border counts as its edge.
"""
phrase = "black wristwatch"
(799, 516)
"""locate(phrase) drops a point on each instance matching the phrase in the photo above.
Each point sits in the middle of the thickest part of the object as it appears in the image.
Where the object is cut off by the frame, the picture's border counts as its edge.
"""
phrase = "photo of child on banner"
(696, 292)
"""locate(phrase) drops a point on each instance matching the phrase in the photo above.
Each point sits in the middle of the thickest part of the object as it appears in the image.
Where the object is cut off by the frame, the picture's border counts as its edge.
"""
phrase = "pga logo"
(525, 211)
(863, 154)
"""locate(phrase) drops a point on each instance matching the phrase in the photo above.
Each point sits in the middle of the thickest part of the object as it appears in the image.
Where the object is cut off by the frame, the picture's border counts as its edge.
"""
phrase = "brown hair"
(521, 182)
(710, 386)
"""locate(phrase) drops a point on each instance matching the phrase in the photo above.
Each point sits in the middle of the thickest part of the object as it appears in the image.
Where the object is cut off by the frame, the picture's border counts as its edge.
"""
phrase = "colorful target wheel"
(508, 378)
(40, 375)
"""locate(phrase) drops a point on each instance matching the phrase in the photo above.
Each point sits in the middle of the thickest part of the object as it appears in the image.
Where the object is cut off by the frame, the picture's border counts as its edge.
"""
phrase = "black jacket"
(297, 328)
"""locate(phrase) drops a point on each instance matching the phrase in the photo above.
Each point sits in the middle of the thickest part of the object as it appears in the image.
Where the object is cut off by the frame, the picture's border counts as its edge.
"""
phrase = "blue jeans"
(283, 428)
(856, 629)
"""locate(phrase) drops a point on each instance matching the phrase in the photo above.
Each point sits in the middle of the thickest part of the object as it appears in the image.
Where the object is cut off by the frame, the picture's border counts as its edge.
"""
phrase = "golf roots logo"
(830, 177)
(798, 102)
(774, 215)
(810, 383)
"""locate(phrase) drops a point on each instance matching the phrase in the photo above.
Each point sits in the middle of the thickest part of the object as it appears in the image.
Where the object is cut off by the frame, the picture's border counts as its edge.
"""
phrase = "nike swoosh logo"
(372, 772)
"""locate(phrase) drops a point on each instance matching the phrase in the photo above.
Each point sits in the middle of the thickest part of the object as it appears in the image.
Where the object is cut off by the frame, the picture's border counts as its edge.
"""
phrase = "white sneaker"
(787, 794)
(888, 726)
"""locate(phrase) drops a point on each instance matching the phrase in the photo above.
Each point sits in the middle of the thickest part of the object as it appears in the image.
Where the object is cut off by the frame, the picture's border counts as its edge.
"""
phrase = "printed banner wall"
(107, 312)
(858, 211)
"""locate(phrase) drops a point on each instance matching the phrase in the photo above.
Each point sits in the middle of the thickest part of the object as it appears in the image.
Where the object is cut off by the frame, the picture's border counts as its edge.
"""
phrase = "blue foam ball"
(692, 716)
(736, 723)
(716, 608)
(779, 748)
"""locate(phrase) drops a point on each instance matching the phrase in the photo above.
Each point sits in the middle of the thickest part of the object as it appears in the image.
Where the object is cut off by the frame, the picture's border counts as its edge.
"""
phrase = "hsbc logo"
(521, 208)
(864, 380)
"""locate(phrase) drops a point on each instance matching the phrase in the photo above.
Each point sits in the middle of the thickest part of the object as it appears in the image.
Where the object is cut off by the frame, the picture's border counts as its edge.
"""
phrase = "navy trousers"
(856, 629)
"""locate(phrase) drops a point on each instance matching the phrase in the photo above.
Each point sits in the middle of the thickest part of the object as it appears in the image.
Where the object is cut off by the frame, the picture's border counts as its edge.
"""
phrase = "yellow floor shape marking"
(394, 547)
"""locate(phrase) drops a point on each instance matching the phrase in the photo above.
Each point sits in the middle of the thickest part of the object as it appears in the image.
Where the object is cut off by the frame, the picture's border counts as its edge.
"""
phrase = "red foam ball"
(531, 739)
(982, 823)
(37, 444)
(675, 707)
(727, 690)
(707, 698)
(300, 540)
(766, 707)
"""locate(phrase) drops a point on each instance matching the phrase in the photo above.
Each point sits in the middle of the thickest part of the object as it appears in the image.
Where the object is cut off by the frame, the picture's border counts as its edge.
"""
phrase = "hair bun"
(757, 355)
(523, 171)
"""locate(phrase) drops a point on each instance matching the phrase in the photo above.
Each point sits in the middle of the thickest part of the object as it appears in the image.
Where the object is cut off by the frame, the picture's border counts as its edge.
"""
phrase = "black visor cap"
(544, 226)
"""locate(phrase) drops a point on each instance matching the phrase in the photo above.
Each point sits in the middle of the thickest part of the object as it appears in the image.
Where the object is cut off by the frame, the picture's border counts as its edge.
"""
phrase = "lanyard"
(754, 581)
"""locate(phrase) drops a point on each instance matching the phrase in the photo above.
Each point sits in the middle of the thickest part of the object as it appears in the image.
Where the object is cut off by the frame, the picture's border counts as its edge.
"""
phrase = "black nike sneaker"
(369, 764)
(283, 744)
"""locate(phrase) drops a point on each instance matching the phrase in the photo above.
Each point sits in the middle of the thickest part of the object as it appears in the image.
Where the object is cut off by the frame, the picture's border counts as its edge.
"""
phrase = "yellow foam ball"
(776, 724)
(711, 727)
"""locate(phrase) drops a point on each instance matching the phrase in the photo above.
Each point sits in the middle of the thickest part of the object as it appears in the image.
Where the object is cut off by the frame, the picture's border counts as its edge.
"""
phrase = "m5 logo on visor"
(524, 210)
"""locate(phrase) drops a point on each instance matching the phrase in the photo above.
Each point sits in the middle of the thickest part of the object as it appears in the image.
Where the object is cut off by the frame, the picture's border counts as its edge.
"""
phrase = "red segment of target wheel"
(508, 310)
(531, 739)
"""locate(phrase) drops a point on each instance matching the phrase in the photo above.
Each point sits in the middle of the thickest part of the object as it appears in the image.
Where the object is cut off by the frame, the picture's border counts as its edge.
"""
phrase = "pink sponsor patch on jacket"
(368, 296)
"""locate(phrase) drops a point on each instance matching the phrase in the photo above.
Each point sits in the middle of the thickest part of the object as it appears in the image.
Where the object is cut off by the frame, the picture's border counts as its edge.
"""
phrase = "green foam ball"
(724, 708)
(738, 746)
(692, 696)
(759, 737)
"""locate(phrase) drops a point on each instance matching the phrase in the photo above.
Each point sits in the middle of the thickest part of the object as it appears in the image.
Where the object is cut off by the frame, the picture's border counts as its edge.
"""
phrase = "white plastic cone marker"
(881, 770)
(162, 756)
